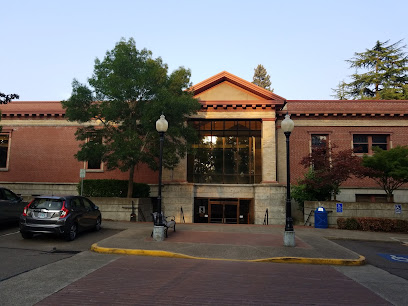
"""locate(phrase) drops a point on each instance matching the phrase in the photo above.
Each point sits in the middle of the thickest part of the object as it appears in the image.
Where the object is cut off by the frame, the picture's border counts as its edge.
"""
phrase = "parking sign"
(339, 207)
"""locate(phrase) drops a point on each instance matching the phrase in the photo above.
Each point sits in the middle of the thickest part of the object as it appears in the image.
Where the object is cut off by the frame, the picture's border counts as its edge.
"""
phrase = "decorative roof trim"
(244, 104)
(226, 76)
(32, 109)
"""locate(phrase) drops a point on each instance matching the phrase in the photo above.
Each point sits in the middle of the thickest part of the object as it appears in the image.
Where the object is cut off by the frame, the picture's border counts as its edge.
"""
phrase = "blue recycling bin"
(320, 216)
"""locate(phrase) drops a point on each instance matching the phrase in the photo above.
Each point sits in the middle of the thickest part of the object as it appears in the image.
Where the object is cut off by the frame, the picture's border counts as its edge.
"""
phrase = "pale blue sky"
(302, 44)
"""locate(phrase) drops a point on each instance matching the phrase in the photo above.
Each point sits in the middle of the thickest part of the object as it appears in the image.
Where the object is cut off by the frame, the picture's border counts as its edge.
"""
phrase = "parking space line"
(9, 234)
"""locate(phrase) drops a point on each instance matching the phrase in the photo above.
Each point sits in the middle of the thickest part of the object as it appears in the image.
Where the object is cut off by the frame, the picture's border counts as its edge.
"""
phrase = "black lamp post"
(161, 127)
(289, 238)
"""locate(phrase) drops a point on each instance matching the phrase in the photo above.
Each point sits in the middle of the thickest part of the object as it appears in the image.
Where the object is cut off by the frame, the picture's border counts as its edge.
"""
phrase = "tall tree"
(261, 78)
(381, 73)
(127, 93)
(4, 99)
(388, 168)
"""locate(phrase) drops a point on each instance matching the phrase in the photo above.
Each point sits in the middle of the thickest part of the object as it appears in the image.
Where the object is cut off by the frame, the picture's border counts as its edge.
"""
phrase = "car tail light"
(64, 211)
(26, 209)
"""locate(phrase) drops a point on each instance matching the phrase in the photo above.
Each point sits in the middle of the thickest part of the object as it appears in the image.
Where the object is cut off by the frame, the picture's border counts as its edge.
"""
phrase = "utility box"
(320, 216)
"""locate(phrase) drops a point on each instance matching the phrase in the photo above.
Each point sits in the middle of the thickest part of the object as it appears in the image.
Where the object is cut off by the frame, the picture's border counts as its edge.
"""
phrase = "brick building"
(239, 169)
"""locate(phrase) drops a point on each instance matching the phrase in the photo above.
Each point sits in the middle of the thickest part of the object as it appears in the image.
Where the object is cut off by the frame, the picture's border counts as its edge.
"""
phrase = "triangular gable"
(226, 83)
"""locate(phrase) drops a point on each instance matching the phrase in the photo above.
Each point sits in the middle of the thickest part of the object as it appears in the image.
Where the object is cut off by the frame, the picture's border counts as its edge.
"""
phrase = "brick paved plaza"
(134, 280)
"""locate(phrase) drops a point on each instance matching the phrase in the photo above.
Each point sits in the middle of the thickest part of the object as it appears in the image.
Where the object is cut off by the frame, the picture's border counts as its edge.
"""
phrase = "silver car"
(65, 216)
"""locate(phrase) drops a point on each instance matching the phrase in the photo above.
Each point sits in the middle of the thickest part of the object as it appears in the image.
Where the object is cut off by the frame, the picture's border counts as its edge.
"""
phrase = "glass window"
(88, 204)
(319, 148)
(363, 143)
(319, 141)
(47, 203)
(10, 195)
(95, 163)
(228, 152)
(4, 150)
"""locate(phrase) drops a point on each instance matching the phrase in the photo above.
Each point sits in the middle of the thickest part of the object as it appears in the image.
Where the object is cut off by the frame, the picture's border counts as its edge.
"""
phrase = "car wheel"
(72, 232)
(98, 224)
(26, 235)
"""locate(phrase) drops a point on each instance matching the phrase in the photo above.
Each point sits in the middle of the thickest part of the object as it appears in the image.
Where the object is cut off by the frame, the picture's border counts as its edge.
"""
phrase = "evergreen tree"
(4, 99)
(261, 78)
(381, 73)
(128, 92)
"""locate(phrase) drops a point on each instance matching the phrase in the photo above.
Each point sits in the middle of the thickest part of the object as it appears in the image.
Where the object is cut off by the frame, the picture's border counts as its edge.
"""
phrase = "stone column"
(268, 151)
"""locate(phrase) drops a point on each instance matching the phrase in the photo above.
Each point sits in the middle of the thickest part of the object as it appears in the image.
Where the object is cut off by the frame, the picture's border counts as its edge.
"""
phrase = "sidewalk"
(260, 243)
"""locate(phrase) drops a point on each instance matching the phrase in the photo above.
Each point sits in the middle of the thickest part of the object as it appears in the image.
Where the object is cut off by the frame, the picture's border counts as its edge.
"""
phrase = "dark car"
(11, 206)
(65, 216)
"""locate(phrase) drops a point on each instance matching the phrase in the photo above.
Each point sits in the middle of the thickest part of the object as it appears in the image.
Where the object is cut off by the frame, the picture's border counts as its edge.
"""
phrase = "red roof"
(30, 108)
(245, 85)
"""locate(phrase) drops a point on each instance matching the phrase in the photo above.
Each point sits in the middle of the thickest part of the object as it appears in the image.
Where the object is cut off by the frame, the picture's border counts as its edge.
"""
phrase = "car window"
(52, 204)
(88, 204)
(9, 195)
(76, 203)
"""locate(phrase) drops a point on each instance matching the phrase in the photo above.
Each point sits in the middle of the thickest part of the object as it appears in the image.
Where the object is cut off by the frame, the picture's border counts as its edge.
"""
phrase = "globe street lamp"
(289, 236)
(158, 230)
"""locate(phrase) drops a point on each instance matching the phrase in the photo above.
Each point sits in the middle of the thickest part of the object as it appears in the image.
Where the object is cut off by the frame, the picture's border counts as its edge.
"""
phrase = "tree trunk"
(130, 183)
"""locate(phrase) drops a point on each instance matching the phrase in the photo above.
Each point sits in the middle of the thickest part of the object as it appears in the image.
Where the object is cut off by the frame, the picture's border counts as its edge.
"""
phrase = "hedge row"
(373, 224)
(113, 188)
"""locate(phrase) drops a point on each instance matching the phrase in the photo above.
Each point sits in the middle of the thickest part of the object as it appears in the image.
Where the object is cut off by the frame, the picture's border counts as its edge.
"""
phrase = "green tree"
(340, 93)
(127, 93)
(4, 99)
(261, 78)
(388, 168)
(381, 73)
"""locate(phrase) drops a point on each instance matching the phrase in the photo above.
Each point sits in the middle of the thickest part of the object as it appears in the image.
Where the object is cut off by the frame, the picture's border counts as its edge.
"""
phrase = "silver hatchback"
(65, 216)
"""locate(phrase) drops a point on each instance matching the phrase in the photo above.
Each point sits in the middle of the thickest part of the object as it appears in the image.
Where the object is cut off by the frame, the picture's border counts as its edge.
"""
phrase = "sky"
(303, 45)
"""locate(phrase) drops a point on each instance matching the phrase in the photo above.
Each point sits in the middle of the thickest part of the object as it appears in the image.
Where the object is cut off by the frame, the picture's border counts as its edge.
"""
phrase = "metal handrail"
(266, 218)
(182, 214)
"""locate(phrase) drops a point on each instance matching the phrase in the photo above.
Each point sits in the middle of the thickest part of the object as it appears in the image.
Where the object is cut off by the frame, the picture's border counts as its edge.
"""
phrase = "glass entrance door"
(223, 212)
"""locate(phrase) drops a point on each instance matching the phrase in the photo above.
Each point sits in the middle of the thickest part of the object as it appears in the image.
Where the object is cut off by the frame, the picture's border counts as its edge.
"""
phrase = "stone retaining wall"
(356, 209)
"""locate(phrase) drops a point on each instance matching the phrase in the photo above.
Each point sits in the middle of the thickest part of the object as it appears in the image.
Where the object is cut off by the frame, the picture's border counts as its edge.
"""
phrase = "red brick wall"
(342, 137)
(46, 154)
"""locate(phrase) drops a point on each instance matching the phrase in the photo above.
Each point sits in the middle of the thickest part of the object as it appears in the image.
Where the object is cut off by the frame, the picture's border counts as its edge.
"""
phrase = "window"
(373, 198)
(363, 143)
(8, 195)
(319, 145)
(88, 204)
(94, 141)
(228, 152)
(319, 141)
(4, 150)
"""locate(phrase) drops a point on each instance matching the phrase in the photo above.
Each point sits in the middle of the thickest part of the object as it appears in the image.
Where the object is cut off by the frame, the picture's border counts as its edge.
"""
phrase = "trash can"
(320, 217)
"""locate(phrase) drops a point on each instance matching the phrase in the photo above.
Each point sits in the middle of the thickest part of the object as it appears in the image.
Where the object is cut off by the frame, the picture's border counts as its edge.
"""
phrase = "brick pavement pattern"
(134, 280)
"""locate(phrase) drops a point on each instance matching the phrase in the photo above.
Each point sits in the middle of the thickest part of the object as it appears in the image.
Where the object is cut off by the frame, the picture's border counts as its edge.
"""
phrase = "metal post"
(289, 220)
(159, 219)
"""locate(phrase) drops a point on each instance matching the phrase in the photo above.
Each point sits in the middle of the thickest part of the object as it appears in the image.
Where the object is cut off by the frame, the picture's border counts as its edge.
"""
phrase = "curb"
(299, 260)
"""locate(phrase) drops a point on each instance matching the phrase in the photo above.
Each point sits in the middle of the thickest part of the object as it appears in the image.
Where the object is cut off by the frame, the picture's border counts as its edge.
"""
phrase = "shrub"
(352, 224)
(373, 224)
(113, 188)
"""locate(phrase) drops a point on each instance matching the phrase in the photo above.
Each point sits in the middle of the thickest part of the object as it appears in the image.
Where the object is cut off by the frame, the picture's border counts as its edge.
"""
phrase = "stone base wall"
(120, 209)
(349, 194)
(178, 201)
(177, 196)
(35, 189)
(355, 209)
(273, 198)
